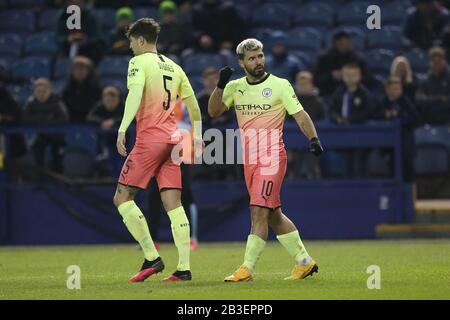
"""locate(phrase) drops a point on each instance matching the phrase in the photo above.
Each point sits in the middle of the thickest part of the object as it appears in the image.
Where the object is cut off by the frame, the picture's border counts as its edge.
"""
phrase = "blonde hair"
(250, 44)
(396, 62)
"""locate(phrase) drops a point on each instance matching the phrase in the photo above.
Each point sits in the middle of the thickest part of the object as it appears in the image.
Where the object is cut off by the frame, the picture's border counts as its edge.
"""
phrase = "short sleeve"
(136, 73)
(227, 97)
(185, 90)
(290, 100)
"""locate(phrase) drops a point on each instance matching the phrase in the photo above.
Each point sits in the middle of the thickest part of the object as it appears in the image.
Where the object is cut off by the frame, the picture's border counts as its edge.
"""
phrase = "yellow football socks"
(253, 250)
(293, 244)
(181, 236)
(137, 225)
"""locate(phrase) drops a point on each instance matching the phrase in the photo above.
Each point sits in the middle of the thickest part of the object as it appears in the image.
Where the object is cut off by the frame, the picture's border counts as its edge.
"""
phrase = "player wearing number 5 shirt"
(154, 83)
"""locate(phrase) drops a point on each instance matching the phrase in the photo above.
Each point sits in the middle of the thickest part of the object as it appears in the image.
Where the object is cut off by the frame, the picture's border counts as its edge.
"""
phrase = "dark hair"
(146, 28)
(341, 35)
(352, 65)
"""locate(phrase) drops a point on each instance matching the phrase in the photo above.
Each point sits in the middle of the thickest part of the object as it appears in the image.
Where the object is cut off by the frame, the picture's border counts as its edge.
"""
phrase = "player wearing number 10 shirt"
(261, 101)
(154, 82)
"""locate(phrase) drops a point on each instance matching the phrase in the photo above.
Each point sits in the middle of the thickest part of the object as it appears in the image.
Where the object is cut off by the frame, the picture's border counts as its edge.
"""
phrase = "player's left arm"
(306, 125)
(135, 84)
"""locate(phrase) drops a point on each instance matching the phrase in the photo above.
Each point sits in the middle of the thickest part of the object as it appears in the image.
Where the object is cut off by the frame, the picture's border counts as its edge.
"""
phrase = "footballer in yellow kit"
(261, 101)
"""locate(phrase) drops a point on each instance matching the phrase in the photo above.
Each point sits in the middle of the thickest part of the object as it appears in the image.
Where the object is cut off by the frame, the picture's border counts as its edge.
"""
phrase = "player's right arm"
(216, 105)
(135, 84)
(186, 93)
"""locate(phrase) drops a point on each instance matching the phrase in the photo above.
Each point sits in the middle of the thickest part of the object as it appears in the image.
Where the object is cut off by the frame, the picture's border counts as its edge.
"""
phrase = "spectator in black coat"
(210, 77)
(282, 63)
(308, 95)
(401, 68)
(302, 161)
(219, 22)
(328, 71)
(82, 90)
(118, 41)
(352, 102)
(425, 23)
(108, 112)
(433, 94)
(10, 115)
(84, 41)
(397, 105)
(46, 108)
(173, 36)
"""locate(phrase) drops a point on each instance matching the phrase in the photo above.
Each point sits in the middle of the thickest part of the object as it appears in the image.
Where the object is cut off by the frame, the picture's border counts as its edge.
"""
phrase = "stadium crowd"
(342, 72)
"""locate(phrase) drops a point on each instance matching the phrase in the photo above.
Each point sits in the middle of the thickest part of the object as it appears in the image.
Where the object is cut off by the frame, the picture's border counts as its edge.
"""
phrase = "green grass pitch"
(410, 269)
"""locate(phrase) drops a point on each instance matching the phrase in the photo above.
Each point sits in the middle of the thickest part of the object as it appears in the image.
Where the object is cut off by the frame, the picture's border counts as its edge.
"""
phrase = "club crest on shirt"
(267, 92)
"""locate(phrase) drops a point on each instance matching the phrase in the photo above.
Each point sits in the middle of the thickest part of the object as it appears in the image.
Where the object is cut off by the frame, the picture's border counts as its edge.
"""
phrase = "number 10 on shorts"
(267, 188)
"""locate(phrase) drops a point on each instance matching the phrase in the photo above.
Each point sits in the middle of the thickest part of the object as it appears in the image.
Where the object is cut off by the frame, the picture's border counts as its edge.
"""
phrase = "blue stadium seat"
(284, 70)
(194, 64)
(32, 67)
(394, 14)
(353, 14)
(333, 164)
(48, 19)
(357, 34)
(10, 46)
(17, 21)
(20, 93)
(107, 18)
(61, 69)
(305, 58)
(386, 38)
(332, 3)
(86, 139)
(114, 67)
(41, 45)
(418, 60)
(379, 61)
(4, 64)
(259, 33)
(233, 62)
(307, 39)
(378, 164)
(314, 15)
(244, 10)
(26, 4)
(78, 162)
(196, 83)
(146, 12)
(58, 86)
(272, 15)
(268, 36)
(433, 135)
(431, 160)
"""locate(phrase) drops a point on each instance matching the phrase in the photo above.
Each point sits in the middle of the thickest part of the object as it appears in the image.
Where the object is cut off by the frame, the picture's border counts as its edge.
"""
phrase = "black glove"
(315, 147)
(225, 74)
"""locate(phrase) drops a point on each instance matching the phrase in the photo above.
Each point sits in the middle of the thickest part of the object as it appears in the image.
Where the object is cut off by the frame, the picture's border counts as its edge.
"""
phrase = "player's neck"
(149, 48)
(252, 79)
